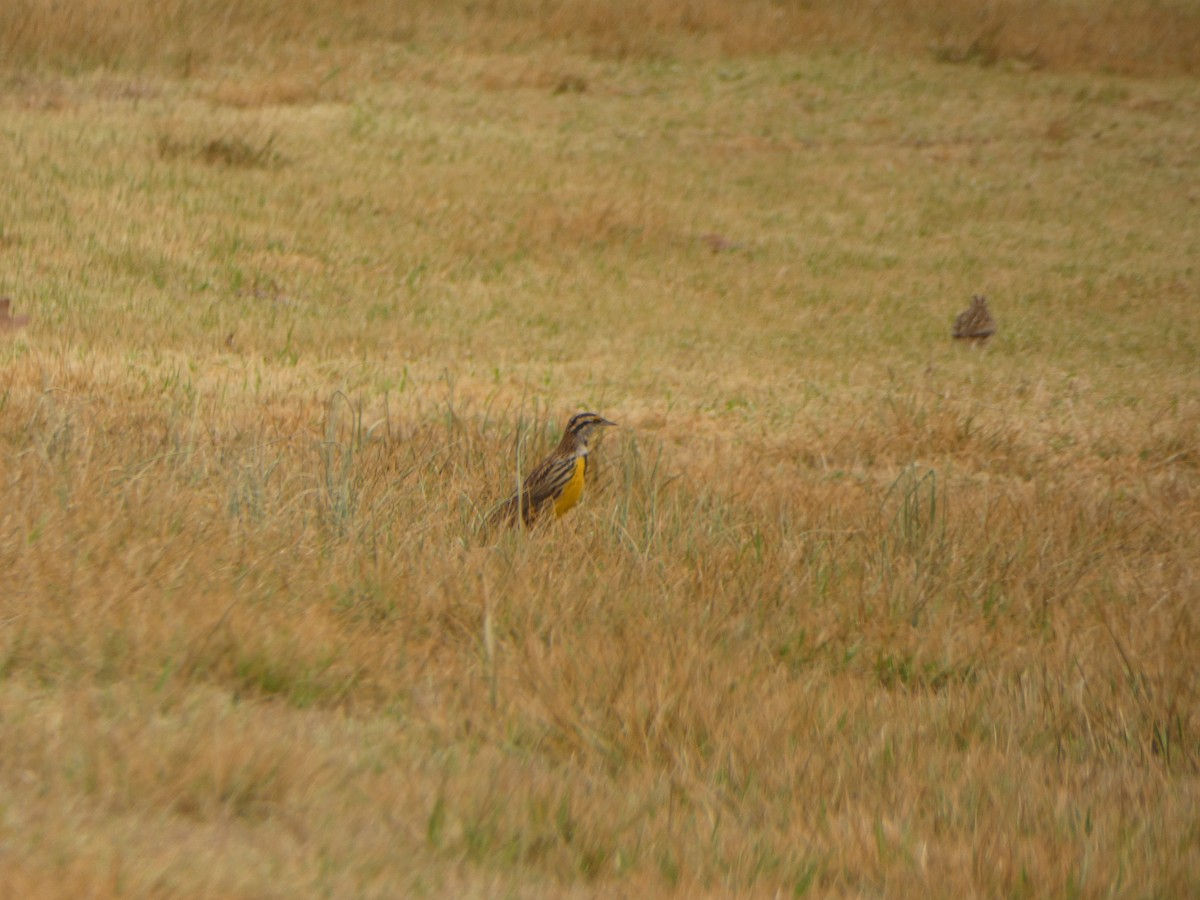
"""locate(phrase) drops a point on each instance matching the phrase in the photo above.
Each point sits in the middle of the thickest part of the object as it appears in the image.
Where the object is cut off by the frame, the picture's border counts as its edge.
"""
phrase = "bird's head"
(583, 426)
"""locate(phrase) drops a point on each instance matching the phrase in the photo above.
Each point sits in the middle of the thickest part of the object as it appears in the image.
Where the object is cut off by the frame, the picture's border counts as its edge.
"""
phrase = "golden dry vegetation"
(851, 609)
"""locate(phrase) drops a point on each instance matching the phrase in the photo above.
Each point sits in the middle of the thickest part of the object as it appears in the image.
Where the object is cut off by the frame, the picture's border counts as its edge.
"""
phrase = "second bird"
(558, 480)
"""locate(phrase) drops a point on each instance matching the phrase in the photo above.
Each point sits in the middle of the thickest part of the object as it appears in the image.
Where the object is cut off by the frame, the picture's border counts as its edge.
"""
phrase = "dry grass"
(849, 610)
(300, 40)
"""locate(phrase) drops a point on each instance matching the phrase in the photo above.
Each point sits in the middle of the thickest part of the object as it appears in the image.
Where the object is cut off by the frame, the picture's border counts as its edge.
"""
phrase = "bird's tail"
(506, 513)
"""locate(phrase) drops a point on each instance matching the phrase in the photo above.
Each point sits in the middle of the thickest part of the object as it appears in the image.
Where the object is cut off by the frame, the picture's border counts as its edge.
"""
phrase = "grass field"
(851, 609)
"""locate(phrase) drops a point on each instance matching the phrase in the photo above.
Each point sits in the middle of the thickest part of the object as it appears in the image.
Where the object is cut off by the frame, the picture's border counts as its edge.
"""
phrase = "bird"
(557, 481)
(975, 323)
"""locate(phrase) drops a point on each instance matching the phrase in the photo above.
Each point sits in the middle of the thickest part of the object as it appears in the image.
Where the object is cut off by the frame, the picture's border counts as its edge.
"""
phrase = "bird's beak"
(607, 424)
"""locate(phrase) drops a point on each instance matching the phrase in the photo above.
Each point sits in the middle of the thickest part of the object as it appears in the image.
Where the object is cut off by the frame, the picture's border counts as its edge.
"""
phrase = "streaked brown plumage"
(558, 480)
(975, 323)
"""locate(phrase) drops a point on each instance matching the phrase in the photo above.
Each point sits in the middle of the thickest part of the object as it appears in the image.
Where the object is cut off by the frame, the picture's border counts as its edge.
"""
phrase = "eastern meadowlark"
(557, 481)
(975, 323)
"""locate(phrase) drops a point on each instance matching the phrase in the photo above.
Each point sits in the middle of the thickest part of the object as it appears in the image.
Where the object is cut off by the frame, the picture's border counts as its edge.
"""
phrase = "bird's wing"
(548, 479)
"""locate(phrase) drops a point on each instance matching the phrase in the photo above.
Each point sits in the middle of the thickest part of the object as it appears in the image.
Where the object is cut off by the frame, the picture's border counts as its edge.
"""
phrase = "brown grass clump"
(8, 321)
(848, 608)
(234, 151)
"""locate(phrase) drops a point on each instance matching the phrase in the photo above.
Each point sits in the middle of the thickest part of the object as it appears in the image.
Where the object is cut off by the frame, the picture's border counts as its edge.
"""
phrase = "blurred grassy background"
(1148, 37)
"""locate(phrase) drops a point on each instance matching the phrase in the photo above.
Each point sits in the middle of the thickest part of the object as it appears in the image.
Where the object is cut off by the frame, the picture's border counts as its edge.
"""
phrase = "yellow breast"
(571, 492)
